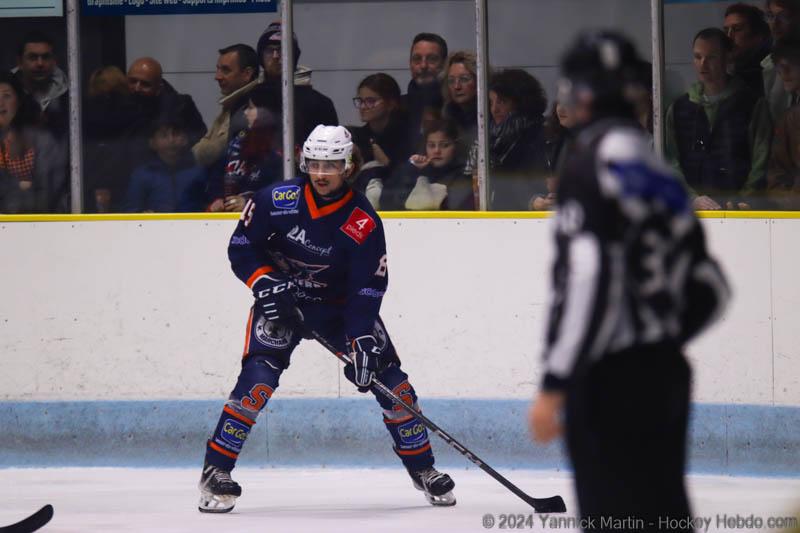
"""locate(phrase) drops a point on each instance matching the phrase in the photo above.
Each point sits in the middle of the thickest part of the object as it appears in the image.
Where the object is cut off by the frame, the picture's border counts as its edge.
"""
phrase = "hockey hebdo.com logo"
(286, 197)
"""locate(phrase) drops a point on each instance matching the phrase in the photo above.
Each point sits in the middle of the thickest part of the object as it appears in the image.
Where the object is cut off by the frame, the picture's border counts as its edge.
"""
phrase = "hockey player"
(316, 246)
(632, 283)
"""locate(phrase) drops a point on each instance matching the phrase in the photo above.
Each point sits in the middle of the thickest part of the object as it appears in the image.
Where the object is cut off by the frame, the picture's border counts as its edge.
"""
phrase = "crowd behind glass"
(733, 137)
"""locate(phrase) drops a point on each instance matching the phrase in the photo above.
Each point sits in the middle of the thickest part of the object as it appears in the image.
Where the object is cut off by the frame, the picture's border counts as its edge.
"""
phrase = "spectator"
(254, 158)
(155, 96)
(47, 84)
(783, 176)
(460, 91)
(383, 138)
(171, 181)
(558, 136)
(426, 64)
(433, 180)
(517, 103)
(108, 113)
(718, 133)
(108, 81)
(237, 73)
(311, 107)
(748, 29)
(783, 17)
(31, 162)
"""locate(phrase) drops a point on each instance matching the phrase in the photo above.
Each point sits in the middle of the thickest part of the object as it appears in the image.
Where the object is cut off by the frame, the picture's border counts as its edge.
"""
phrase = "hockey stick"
(32, 523)
(554, 504)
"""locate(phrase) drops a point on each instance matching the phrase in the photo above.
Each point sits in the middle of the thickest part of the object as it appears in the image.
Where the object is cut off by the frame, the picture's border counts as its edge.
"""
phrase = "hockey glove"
(367, 361)
(275, 298)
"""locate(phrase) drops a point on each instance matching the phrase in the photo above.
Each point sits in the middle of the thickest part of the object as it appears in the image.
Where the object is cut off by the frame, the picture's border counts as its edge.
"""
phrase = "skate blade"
(445, 500)
(213, 503)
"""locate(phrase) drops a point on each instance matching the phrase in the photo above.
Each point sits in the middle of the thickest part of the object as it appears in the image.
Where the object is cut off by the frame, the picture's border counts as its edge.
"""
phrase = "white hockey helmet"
(328, 143)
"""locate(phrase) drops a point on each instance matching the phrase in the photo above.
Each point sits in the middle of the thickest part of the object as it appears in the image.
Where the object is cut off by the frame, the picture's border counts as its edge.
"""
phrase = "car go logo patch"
(286, 196)
(234, 433)
(412, 433)
(358, 226)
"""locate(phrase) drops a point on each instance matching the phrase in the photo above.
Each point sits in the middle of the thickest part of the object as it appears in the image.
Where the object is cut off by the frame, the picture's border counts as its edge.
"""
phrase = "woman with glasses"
(460, 91)
(383, 139)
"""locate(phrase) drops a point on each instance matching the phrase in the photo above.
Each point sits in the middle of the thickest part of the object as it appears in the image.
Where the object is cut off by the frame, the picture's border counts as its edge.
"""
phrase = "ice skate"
(437, 486)
(218, 492)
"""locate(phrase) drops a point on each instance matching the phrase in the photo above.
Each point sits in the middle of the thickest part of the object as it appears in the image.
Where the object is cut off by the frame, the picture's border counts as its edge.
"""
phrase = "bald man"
(145, 77)
(155, 96)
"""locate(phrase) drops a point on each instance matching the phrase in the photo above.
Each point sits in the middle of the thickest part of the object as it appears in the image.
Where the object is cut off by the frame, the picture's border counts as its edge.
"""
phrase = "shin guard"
(226, 442)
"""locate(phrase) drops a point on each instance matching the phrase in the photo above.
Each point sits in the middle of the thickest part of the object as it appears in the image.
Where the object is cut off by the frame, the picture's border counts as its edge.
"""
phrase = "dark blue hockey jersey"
(336, 254)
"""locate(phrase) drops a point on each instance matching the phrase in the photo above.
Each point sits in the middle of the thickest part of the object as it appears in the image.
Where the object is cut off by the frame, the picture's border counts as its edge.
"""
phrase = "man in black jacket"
(426, 63)
(311, 107)
(632, 283)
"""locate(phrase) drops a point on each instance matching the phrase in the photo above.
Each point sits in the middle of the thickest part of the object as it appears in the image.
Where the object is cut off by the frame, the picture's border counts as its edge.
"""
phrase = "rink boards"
(120, 339)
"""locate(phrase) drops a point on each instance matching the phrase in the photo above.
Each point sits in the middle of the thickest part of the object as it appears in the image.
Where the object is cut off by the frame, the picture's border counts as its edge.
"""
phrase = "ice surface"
(324, 500)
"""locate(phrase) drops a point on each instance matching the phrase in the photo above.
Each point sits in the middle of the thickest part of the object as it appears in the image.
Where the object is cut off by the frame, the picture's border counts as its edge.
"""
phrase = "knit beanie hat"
(272, 35)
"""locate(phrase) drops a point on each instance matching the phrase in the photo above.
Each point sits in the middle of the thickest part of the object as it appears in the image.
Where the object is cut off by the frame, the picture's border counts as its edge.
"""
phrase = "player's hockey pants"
(267, 353)
(626, 420)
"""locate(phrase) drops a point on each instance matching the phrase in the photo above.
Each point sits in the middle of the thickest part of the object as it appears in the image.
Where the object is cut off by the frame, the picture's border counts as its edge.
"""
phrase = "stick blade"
(34, 522)
(554, 504)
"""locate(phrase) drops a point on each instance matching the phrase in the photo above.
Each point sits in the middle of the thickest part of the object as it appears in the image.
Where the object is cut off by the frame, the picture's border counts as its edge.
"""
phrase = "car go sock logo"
(286, 196)
(412, 433)
(234, 433)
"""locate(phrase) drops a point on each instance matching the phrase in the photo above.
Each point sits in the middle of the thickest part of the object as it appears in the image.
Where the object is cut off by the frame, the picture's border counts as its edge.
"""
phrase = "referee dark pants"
(626, 420)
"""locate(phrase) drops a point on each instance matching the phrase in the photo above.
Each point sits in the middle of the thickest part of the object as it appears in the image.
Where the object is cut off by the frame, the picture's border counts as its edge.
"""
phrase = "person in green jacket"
(718, 133)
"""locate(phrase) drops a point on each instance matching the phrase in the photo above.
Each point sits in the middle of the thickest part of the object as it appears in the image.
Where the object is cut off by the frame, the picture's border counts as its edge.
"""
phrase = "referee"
(632, 283)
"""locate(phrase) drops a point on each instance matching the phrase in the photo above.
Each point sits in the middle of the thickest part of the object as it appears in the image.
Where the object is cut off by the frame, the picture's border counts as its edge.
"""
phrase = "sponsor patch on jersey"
(286, 196)
(234, 432)
(297, 235)
(372, 293)
(412, 433)
(239, 240)
(359, 225)
(272, 335)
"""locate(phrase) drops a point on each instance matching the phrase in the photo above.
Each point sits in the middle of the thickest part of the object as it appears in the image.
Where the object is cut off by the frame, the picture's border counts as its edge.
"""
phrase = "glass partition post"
(74, 76)
(482, 44)
(657, 39)
(287, 83)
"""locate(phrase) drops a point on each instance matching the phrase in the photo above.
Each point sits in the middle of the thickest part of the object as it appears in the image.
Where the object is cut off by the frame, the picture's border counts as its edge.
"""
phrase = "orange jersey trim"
(217, 448)
(257, 274)
(247, 335)
(317, 212)
(397, 420)
(239, 417)
(415, 452)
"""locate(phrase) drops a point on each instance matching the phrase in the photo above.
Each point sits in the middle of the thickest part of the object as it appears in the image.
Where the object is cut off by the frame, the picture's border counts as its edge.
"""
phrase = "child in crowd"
(171, 182)
(430, 181)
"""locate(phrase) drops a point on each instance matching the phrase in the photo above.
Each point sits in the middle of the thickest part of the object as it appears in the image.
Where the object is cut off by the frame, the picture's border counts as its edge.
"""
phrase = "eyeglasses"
(272, 49)
(366, 103)
(459, 80)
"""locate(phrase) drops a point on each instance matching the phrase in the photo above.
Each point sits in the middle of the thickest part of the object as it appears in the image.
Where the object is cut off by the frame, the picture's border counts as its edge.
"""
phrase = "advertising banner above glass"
(31, 8)
(174, 7)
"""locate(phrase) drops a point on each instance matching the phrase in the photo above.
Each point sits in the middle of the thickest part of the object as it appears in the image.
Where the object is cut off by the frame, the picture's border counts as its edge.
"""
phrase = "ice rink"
(342, 500)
